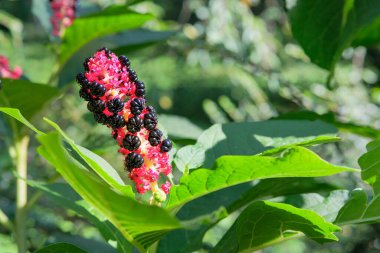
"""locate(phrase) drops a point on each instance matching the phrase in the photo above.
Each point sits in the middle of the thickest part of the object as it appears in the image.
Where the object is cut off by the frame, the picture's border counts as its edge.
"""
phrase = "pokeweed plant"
(231, 173)
(116, 97)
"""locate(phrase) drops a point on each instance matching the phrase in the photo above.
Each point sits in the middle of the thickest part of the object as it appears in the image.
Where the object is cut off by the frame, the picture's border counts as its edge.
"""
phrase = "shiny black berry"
(155, 137)
(97, 89)
(101, 118)
(132, 75)
(137, 106)
(166, 145)
(81, 79)
(85, 64)
(134, 124)
(133, 160)
(151, 109)
(131, 142)
(115, 105)
(124, 61)
(116, 121)
(140, 89)
(150, 121)
(84, 94)
(96, 106)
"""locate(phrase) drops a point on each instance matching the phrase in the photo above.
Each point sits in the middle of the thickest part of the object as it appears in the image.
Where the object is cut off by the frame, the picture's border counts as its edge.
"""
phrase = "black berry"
(137, 106)
(84, 94)
(116, 121)
(96, 106)
(81, 79)
(166, 145)
(131, 142)
(151, 109)
(97, 89)
(155, 137)
(134, 124)
(124, 61)
(150, 121)
(140, 89)
(133, 160)
(100, 118)
(85, 64)
(132, 75)
(115, 105)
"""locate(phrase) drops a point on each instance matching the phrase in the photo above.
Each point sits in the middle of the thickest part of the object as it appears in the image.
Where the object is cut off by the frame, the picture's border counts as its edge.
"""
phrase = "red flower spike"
(109, 80)
(63, 15)
(6, 71)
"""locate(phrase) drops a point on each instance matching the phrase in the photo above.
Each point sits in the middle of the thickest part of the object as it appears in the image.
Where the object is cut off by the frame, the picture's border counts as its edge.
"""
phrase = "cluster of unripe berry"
(117, 99)
(63, 15)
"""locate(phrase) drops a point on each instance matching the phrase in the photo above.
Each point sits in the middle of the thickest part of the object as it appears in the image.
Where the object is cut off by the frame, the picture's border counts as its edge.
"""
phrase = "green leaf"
(27, 96)
(328, 207)
(232, 170)
(275, 187)
(61, 247)
(98, 164)
(16, 114)
(330, 117)
(358, 209)
(180, 127)
(264, 223)
(233, 198)
(62, 194)
(84, 29)
(140, 38)
(251, 138)
(142, 225)
(325, 28)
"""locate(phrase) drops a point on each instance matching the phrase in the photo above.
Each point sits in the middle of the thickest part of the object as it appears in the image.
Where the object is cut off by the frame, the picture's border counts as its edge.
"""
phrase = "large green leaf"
(232, 199)
(358, 209)
(264, 223)
(232, 170)
(62, 194)
(325, 28)
(60, 248)
(98, 164)
(112, 20)
(251, 138)
(142, 225)
(30, 97)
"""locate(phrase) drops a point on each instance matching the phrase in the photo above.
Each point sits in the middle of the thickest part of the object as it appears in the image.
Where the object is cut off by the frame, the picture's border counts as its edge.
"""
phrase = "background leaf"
(251, 138)
(60, 248)
(84, 29)
(26, 96)
(325, 28)
(358, 209)
(264, 223)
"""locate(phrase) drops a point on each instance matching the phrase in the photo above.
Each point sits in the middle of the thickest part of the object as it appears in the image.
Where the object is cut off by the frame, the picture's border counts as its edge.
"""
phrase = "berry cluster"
(63, 15)
(6, 71)
(117, 99)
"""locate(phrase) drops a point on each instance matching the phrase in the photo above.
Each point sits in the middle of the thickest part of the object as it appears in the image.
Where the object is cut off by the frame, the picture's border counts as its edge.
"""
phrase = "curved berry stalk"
(6, 71)
(63, 15)
(117, 99)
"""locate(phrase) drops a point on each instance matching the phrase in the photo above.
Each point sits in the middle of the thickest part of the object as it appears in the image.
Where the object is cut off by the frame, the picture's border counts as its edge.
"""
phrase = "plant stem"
(22, 191)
